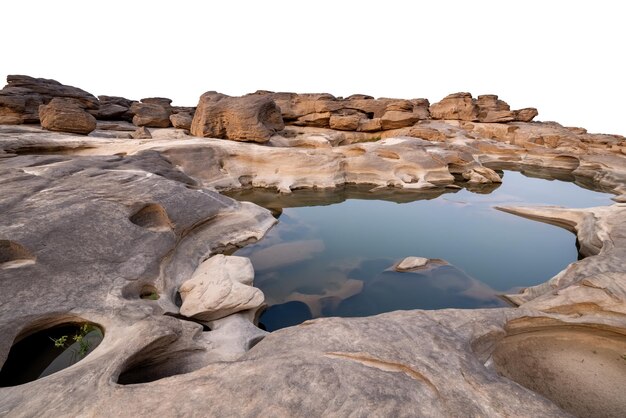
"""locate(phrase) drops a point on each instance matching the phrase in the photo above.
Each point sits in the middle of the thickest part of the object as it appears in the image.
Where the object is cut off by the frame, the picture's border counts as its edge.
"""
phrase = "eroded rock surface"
(96, 220)
(66, 115)
(219, 287)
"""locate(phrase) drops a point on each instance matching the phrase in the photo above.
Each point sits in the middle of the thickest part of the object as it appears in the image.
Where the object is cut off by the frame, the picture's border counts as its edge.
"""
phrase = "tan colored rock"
(181, 120)
(370, 125)
(459, 106)
(141, 133)
(481, 175)
(394, 119)
(526, 114)
(429, 134)
(248, 118)
(220, 286)
(66, 115)
(153, 115)
(317, 120)
(345, 122)
(411, 263)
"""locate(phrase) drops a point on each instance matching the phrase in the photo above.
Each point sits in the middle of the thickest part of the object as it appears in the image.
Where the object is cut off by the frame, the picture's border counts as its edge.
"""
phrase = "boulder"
(66, 115)
(21, 97)
(345, 122)
(114, 108)
(370, 125)
(394, 119)
(315, 120)
(526, 115)
(152, 115)
(253, 118)
(457, 106)
(220, 286)
(181, 120)
(411, 263)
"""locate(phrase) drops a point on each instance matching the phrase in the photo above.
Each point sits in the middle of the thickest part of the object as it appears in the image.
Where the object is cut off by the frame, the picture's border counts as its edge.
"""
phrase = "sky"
(563, 57)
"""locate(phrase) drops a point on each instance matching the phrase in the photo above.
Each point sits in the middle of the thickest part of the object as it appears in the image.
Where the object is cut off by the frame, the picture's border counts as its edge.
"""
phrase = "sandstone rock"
(411, 263)
(459, 106)
(141, 133)
(66, 115)
(114, 108)
(482, 175)
(249, 118)
(394, 119)
(345, 123)
(181, 120)
(318, 120)
(153, 115)
(429, 134)
(21, 97)
(526, 114)
(370, 125)
(219, 287)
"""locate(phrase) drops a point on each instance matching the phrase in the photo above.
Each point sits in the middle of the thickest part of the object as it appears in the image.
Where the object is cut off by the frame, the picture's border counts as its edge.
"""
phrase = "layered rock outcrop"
(21, 97)
(96, 222)
(486, 108)
(249, 118)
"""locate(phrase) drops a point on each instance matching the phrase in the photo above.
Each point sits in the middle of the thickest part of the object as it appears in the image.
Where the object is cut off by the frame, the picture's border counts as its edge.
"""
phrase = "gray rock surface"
(94, 223)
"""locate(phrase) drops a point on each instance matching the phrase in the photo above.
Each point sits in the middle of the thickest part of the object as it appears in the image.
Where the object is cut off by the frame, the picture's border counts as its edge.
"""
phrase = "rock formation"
(219, 287)
(128, 234)
(249, 118)
(21, 97)
(66, 115)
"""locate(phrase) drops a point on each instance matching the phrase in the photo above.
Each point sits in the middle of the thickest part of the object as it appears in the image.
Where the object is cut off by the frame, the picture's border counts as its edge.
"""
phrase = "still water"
(332, 253)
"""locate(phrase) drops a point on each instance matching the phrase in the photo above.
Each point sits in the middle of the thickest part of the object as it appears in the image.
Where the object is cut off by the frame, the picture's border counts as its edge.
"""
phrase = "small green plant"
(153, 296)
(83, 343)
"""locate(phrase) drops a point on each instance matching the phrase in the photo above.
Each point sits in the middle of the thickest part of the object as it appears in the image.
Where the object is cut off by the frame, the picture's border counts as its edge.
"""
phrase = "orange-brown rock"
(141, 133)
(21, 97)
(181, 120)
(66, 115)
(255, 117)
(345, 122)
(459, 106)
(153, 115)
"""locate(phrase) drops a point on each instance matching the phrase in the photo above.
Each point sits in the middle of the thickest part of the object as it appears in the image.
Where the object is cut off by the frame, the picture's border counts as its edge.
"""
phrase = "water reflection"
(331, 252)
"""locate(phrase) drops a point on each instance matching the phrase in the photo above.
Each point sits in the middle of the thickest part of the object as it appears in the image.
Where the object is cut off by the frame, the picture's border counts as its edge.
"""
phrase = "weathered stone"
(114, 108)
(66, 115)
(458, 106)
(345, 122)
(394, 119)
(370, 125)
(429, 134)
(153, 115)
(249, 118)
(411, 263)
(21, 97)
(141, 133)
(219, 287)
(181, 120)
(526, 114)
(318, 120)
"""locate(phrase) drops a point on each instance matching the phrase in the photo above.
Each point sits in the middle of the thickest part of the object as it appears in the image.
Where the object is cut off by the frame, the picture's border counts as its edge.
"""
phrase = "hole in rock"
(158, 361)
(48, 351)
(152, 217)
(14, 255)
(149, 292)
(582, 370)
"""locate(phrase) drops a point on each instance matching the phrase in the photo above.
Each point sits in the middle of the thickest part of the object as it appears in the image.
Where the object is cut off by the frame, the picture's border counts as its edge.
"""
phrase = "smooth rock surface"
(219, 287)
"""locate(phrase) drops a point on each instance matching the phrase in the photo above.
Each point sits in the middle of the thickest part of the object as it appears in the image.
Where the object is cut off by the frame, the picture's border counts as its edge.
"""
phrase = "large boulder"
(457, 106)
(114, 108)
(219, 287)
(66, 115)
(181, 120)
(248, 118)
(152, 113)
(21, 97)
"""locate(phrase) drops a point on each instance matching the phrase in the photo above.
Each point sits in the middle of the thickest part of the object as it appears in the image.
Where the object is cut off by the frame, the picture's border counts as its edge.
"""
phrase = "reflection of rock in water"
(443, 287)
(284, 315)
(284, 254)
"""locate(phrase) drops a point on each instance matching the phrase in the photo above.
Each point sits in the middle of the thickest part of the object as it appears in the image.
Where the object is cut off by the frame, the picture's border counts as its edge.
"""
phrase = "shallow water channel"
(332, 252)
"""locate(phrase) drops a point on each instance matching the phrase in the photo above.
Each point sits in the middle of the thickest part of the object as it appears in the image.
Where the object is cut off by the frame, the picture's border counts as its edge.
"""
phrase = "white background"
(564, 57)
